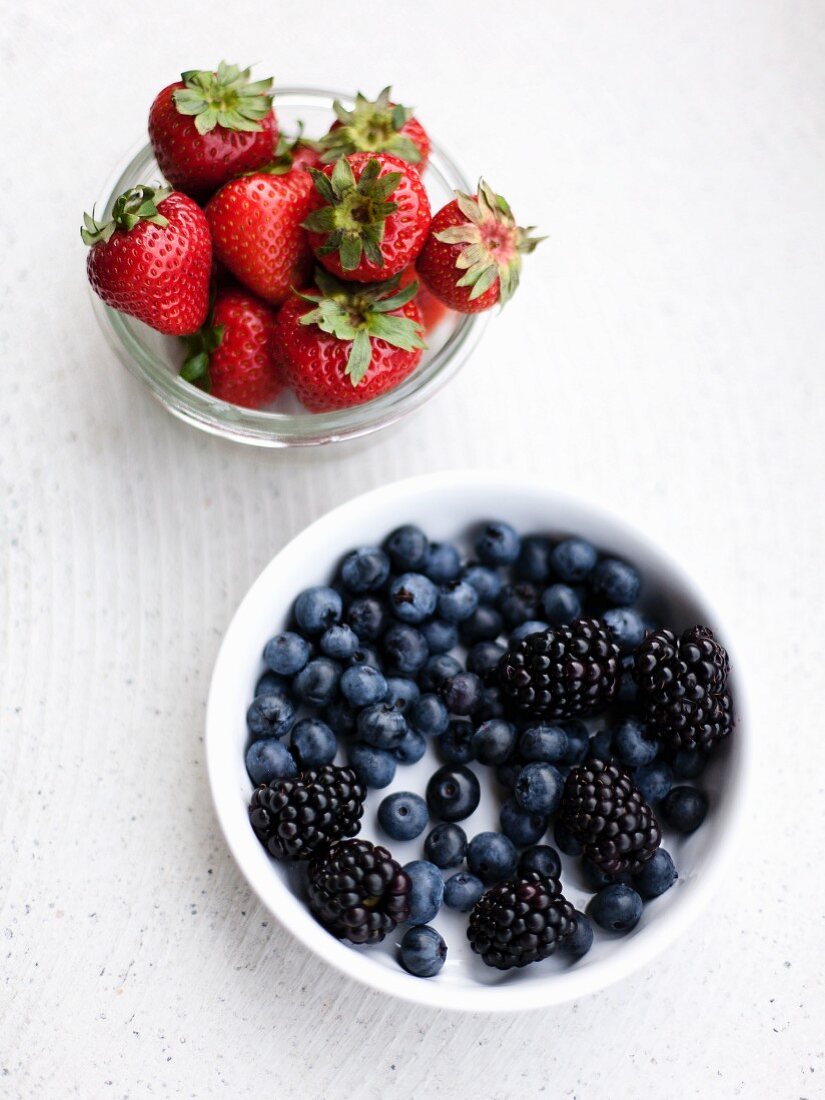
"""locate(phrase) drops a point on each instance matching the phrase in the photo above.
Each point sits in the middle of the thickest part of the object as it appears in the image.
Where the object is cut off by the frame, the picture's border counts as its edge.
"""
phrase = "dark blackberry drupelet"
(358, 892)
(608, 816)
(682, 686)
(520, 921)
(562, 672)
(295, 818)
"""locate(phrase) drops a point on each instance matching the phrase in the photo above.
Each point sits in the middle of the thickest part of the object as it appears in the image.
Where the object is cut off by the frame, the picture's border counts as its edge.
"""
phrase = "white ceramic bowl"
(449, 506)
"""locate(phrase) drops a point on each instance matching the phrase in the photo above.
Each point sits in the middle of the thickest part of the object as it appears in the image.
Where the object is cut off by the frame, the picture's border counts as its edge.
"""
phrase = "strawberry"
(342, 345)
(376, 126)
(256, 224)
(208, 127)
(370, 218)
(153, 260)
(472, 255)
(233, 355)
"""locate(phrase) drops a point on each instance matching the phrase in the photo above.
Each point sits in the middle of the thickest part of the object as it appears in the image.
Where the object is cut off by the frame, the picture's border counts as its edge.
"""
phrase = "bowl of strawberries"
(293, 267)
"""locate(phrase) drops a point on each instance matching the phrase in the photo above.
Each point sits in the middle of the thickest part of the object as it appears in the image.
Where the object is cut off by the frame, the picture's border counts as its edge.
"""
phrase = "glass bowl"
(155, 359)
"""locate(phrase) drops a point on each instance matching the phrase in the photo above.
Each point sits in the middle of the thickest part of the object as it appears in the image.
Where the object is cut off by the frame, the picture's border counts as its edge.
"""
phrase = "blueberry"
(653, 781)
(457, 601)
(688, 763)
(518, 603)
(413, 597)
(462, 891)
(616, 582)
(596, 879)
(492, 857)
(270, 716)
(270, 683)
(366, 654)
(547, 744)
(363, 686)
(422, 951)
(486, 581)
(437, 670)
(456, 743)
(368, 618)
(269, 759)
(339, 642)
(685, 808)
(340, 717)
(628, 691)
(442, 563)
(365, 570)
(573, 560)
(453, 793)
(446, 845)
(626, 628)
(601, 745)
(316, 609)
(401, 693)
(498, 544)
(406, 648)
(492, 704)
(462, 693)
(427, 891)
(542, 859)
(410, 748)
(317, 684)
(507, 774)
(484, 625)
(429, 715)
(565, 841)
(381, 726)
(494, 741)
(579, 943)
(631, 745)
(538, 788)
(313, 743)
(286, 653)
(374, 767)
(524, 630)
(534, 559)
(560, 604)
(403, 815)
(521, 826)
(657, 875)
(483, 660)
(578, 742)
(616, 908)
(440, 637)
(407, 547)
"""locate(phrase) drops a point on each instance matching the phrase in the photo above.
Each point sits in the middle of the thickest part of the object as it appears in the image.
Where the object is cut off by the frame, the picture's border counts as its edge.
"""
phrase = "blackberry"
(358, 892)
(295, 818)
(520, 921)
(682, 686)
(606, 814)
(562, 672)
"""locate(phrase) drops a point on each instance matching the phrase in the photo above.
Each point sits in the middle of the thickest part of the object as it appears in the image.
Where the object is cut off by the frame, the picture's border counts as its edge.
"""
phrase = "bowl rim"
(279, 429)
(559, 988)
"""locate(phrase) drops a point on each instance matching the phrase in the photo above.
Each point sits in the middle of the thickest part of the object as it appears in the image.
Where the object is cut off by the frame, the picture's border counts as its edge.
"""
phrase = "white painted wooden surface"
(664, 356)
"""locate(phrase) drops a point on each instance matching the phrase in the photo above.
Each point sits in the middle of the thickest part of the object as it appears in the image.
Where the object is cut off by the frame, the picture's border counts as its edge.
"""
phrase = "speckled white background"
(664, 357)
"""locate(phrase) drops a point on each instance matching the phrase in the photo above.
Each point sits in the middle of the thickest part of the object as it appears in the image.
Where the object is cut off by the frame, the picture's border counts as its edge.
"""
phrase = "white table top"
(664, 357)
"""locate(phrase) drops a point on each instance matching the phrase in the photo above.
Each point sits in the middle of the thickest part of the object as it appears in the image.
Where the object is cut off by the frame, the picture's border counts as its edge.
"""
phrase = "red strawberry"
(209, 127)
(233, 355)
(371, 216)
(472, 256)
(376, 126)
(153, 260)
(343, 345)
(256, 226)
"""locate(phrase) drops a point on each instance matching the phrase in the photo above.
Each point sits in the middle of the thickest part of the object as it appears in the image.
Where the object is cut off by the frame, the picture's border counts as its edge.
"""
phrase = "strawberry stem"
(226, 98)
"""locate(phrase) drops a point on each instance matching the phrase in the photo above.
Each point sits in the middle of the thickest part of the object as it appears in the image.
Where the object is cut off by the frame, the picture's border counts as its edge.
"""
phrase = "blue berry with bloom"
(316, 609)
(498, 544)
(573, 560)
(442, 563)
(485, 579)
(269, 759)
(287, 653)
(413, 598)
(313, 743)
(407, 547)
(317, 684)
(405, 648)
(340, 642)
(462, 891)
(422, 951)
(270, 716)
(560, 604)
(617, 582)
(365, 570)
(440, 637)
(427, 891)
(403, 815)
(374, 767)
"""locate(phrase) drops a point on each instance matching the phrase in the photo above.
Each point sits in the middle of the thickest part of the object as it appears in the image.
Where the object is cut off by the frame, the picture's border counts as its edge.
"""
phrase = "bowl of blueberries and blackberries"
(477, 744)
(291, 266)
